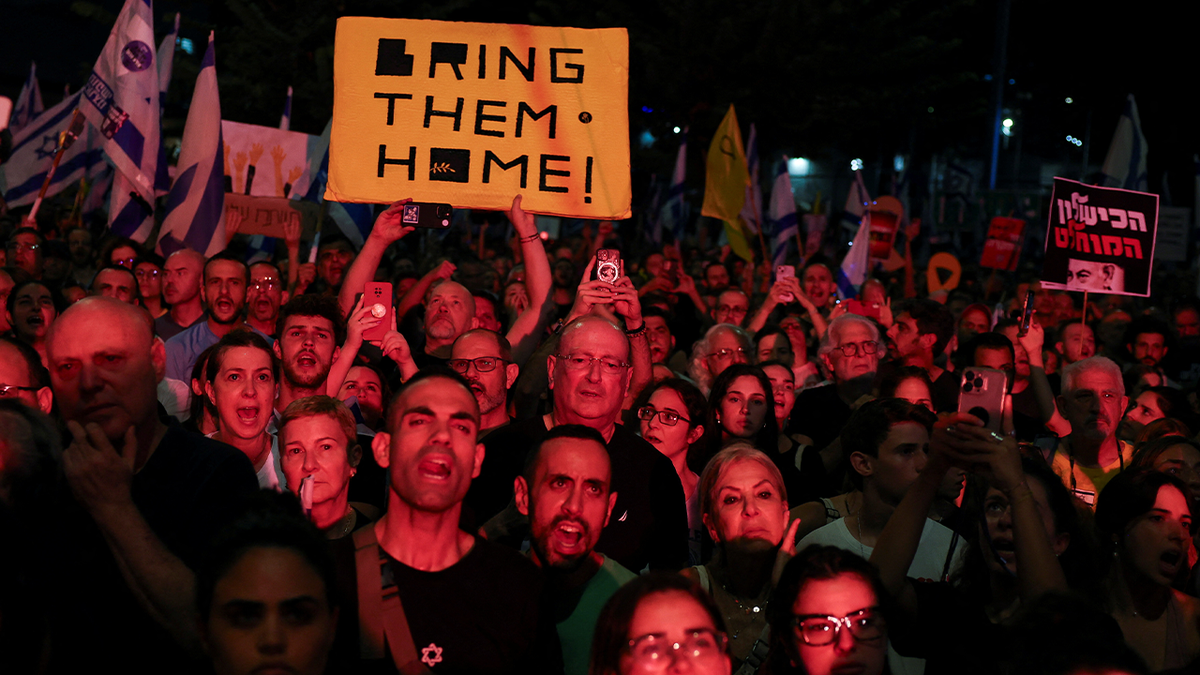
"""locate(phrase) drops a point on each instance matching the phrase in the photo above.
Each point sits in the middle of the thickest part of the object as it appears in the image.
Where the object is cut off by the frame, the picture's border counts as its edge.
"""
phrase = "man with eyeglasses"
(182, 275)
(732, 305)
(264, 297)
(24, 250)
(850, 351)
(589, 377)
(22, 375)
(484, 359)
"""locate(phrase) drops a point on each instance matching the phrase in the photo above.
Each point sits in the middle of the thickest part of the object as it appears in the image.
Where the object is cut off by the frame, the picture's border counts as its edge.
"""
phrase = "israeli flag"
(853, 272)
(195, 211)
(121, 98)
(166, 58)
(29, 102)
(33, 151)
(674, 211)
(1125, 164)
(354, 220)
(285, 122)
(782, 212)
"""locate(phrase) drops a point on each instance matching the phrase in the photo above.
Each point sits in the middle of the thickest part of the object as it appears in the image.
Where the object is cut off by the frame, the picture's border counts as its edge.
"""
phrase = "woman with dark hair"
(773, 344)
(1155, 403)
(671, 418)
(119, 252)
(1141, 377)
(1173, 455)
(32, 306)
(1145, 520)
(655, 621)
(910, 383)
(241, 378)
(1165, 428)
(741, 407)
(265, 594)
(202, 417)
(828, 615)
(148, 269)
(745, 509)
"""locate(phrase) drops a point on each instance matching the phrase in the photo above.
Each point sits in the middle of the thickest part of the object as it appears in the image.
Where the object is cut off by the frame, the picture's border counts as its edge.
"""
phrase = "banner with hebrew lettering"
(472, 114)
(1100, 239)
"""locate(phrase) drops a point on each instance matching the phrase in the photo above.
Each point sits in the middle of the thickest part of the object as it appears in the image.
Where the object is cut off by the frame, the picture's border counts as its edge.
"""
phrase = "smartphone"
(786, 272)
(422, 214)
(608, 265)
(982, 395)
(1026, 315)
(378, 296)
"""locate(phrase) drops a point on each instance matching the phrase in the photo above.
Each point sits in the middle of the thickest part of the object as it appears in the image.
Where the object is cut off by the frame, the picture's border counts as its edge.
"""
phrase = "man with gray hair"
(1093, 401)
(850, 350)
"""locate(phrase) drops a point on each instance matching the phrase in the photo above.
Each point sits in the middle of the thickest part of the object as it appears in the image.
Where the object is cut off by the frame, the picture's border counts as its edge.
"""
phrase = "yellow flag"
(736, 235)
(727, 178)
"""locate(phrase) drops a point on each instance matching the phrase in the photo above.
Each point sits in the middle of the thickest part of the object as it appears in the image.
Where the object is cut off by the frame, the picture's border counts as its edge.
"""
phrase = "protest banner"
(265, 161)
(267, 215)
(1171, 242)
(1002, 249)
(473, 114)
(943, 273)
(885, 215)
(1099, 239)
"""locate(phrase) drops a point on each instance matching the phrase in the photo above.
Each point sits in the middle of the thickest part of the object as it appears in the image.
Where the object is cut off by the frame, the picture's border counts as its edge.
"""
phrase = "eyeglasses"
(726, 353)
(579, 362)
(654, 651)
(816, 630)
(647, 413)
(22, 248)
(869, 347)
(144, 273)
(732, 309)
(13, 390)
(124, 262)
(484, 364)
(266, 285)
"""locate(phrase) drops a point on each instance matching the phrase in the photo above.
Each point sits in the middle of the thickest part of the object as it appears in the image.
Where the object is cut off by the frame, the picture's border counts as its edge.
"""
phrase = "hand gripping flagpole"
(65, 139)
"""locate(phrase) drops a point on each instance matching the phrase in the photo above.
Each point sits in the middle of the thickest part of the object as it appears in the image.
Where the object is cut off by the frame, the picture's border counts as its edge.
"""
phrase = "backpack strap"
(381, 617)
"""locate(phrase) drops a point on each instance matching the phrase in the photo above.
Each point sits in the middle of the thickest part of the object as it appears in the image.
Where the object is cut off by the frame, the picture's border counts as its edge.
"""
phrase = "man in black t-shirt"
(471, 606)
(144, 499)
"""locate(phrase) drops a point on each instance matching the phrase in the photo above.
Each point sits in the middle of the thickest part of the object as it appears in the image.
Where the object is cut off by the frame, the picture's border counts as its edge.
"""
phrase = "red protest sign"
(1002, 249)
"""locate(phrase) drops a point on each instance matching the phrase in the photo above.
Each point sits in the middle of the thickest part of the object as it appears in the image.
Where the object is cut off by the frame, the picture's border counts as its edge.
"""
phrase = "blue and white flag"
(166, 58)
(673, 215)
(195, 211)
(1125, 164)
(853, 272)
(782, 212)
(751, 213)
(33, 150)
(354, 220)
(285, 122)
(29, 102)
(121, 97)
(857, 200)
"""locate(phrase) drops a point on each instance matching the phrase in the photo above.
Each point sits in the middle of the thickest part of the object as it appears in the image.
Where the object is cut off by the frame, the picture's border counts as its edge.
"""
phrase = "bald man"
(146, 497)
(182, 276)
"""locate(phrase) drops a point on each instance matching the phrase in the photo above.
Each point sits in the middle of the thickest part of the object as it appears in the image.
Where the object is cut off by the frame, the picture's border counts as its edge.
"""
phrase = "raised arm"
(626, 304)
(1032, 343)
(360, 320)
(387, 230)
(526, 331)
(415, 295)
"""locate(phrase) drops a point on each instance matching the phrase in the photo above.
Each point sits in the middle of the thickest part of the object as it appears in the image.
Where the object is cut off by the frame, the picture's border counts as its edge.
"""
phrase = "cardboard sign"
(472, 114)
(1100, 239)
(265, 162)
(944, 272)
(267, 215)
(1171, 243)
(1002, 249)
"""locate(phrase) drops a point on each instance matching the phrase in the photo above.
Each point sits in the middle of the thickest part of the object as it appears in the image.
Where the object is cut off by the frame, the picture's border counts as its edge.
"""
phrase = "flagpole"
(762, 241)
(65, 139)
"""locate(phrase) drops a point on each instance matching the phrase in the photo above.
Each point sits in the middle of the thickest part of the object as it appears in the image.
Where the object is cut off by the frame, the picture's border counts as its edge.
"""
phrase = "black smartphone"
(421, 214)
(1026, 315)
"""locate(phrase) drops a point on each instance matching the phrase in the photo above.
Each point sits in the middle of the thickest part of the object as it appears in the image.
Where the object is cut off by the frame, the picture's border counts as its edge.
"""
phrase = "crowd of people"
(520, 464)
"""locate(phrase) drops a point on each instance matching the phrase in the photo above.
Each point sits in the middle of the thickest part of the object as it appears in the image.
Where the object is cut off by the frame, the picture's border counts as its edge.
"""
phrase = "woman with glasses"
(659, 623)
(722, 346)
(741, 407)
(744, 506)
(149, 269)
(671, 417)
(828, 616)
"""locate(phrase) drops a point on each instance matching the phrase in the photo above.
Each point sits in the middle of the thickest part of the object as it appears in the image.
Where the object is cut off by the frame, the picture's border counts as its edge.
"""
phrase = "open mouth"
(248, 415)
(569, 534)
(1170, 561)
(433, 468)
(306, 360)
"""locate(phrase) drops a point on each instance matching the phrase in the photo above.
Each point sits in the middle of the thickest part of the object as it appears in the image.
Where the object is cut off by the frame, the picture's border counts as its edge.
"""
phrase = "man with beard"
(565, 490)
(1146, 340)
(484, 359)
(417, 560)
(1093, 400)
(311, 332)
(264, 297)
(449, 312)
(225, 281)
(182, 276)
(919, 335)
(333, 258)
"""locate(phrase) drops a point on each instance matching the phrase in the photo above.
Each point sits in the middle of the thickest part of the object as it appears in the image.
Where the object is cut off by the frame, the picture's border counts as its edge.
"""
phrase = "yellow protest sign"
(472, 114)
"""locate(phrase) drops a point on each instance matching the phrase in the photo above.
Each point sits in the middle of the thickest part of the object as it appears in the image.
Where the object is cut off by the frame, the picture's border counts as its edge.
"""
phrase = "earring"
(352, 472)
